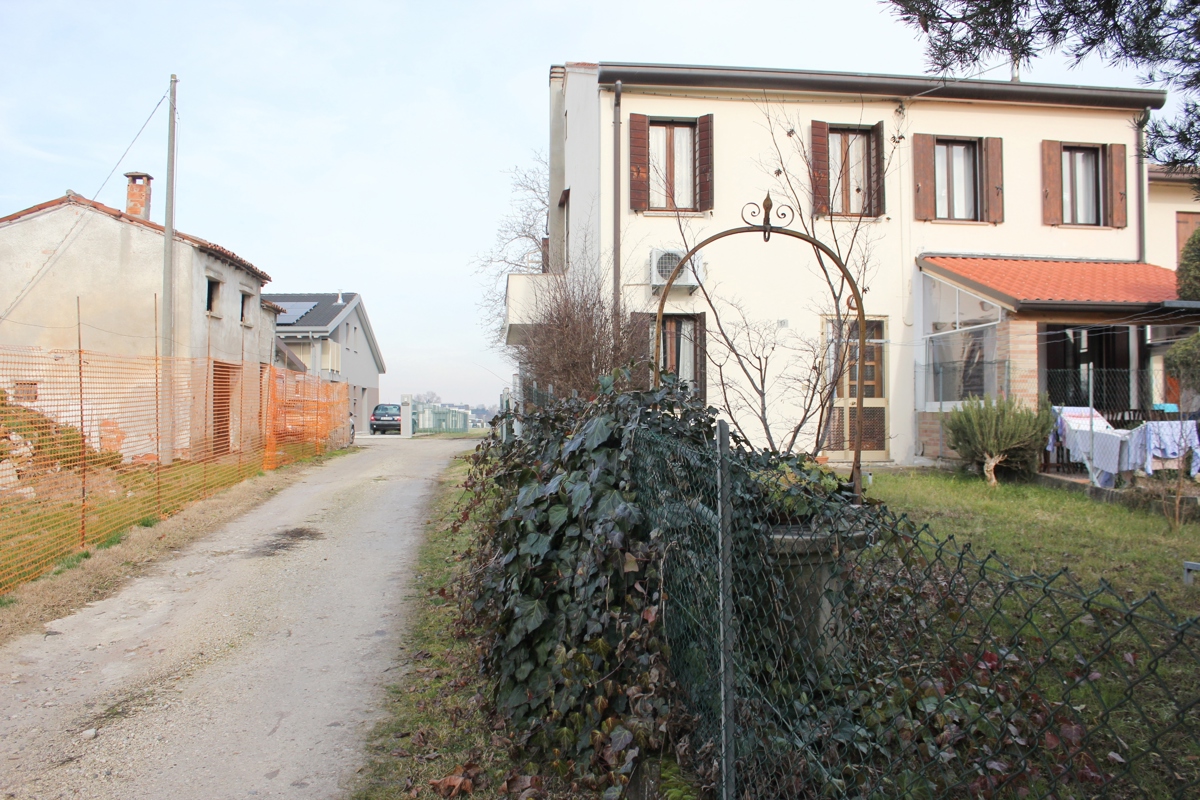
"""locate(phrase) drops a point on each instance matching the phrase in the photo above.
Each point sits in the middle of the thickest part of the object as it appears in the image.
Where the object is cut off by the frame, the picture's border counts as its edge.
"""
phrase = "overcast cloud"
(363, 146)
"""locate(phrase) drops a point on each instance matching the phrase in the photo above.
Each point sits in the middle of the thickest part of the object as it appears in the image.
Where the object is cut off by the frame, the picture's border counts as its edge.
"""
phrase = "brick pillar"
(1017, 344)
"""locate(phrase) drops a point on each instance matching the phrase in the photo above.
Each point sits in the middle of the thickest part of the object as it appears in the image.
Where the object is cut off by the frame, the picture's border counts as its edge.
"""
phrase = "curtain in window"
(836, 173)
(858, 172)
(964, 181)
(847, 172)
(678, 353)
(1081, 185)
(941, 171)
(684, 169)
(658, 166)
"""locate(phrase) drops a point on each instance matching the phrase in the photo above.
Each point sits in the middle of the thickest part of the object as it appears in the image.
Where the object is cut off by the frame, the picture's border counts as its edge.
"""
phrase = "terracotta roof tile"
(206, 246)
(1031, 280)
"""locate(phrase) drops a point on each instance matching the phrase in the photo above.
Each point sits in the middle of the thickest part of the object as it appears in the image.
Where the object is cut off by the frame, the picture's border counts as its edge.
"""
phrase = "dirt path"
(248, 666)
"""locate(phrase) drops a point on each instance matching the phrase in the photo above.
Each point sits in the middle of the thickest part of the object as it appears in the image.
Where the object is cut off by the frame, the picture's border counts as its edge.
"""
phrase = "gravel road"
(249, 665)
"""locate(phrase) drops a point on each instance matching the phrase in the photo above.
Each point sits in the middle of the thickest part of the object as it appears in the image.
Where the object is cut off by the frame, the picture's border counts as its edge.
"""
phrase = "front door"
(844, 418)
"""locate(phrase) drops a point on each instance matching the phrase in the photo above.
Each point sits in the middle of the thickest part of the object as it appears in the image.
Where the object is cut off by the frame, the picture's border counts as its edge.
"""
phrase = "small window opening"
(25, 392)
(246, 300)
(214, 288)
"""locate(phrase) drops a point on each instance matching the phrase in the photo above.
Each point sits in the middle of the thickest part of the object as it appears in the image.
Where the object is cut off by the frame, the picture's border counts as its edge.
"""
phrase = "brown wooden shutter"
(820, 167)
(924, 180)
(993, 180)
(639, 162)
(641, 328)
(878, 166)
(1186, 223)
(1052, 188)
(701, 358)
(704, 162)
(1116, 205)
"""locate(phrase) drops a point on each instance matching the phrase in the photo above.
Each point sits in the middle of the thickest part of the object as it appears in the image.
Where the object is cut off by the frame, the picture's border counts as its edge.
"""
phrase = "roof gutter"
(1141, 121)
(745, 78)
(616, 240)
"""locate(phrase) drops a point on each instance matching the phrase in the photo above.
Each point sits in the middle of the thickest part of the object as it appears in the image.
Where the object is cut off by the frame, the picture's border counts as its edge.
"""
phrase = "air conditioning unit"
(663, 263)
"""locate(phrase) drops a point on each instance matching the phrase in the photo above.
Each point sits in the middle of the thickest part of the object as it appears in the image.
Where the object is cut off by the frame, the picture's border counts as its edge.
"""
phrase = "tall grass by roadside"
(435, 719)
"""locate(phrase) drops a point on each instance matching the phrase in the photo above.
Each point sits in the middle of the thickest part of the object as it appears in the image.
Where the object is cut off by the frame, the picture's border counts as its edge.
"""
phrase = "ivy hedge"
(567, 583)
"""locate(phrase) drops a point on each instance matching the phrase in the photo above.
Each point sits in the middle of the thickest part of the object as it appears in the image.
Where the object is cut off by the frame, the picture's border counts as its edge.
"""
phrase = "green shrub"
(1183, 362)
(1187, 276)
(989, 432)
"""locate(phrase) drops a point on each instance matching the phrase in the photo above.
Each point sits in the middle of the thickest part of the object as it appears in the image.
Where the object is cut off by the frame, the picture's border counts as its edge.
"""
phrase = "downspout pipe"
(616, 212)
(1142, 119)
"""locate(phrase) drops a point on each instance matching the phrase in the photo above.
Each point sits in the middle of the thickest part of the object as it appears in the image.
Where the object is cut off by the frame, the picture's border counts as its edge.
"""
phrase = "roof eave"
(1087, 305)
(744, 78)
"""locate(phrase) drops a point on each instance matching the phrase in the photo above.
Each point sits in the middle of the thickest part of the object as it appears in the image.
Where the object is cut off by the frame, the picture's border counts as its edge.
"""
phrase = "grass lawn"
(1043, 529)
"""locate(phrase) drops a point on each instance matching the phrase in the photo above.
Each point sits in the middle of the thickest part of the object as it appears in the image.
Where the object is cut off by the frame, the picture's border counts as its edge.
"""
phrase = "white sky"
(363, 146)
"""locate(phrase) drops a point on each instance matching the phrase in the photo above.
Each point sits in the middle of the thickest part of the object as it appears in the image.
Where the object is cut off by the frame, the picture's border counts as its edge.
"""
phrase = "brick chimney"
(137, 195)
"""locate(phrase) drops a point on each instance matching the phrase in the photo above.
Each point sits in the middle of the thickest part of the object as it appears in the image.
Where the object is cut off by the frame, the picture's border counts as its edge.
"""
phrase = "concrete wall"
(115, 269)
(779, 280)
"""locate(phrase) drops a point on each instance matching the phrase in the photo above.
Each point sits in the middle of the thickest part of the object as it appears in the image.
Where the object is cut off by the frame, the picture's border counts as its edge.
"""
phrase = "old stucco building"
(76, 274)
(112, 261)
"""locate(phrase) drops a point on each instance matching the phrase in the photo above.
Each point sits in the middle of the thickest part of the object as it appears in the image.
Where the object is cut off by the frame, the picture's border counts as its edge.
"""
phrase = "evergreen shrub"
(991, 432)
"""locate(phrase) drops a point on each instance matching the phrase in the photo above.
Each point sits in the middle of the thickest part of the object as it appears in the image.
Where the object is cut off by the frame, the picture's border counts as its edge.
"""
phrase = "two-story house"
(1003, 233)
(332, 335)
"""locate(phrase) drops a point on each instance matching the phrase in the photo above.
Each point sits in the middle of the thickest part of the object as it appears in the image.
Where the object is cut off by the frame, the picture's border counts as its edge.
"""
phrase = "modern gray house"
(332, 335)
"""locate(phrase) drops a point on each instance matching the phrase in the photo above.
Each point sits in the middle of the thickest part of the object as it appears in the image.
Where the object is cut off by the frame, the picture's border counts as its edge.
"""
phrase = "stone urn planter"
(810, 561)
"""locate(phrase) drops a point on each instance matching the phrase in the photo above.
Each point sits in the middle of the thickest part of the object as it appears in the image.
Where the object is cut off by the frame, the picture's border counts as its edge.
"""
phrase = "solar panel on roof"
(294, 310)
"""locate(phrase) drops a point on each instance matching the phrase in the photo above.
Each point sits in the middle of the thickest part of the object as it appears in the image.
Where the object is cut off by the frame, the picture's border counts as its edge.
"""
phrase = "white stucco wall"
(1164, 201)
(779, 281)
(582, 165)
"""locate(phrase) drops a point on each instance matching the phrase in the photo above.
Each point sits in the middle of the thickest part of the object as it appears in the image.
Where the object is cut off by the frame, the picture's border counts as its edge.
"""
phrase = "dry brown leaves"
(526, 787)
(460, 781)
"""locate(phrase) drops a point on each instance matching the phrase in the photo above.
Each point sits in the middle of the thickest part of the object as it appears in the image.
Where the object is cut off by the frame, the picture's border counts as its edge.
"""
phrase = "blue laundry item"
(1168, 439)
(1170, 408)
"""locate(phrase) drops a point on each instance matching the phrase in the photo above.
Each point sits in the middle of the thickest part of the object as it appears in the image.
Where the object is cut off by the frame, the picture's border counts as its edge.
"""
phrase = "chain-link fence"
(824, 649)
(91, 444)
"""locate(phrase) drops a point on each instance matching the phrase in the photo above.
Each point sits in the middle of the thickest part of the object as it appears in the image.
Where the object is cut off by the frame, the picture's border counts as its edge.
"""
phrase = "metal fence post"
(725, 539)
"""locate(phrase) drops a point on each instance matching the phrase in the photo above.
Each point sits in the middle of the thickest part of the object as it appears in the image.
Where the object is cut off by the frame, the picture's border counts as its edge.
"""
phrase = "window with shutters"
(1081, 185)
(847, 164)
(956, 179)
(673, 166)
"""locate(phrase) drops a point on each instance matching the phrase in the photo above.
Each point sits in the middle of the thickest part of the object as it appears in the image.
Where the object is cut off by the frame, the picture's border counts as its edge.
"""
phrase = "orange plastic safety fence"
(91, 444)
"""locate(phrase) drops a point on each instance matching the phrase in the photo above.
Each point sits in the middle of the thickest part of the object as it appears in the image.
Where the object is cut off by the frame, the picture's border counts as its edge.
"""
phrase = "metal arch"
(766, 229)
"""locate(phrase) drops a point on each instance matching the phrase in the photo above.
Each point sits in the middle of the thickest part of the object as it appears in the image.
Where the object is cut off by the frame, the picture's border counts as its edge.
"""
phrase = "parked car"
(385, 418)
